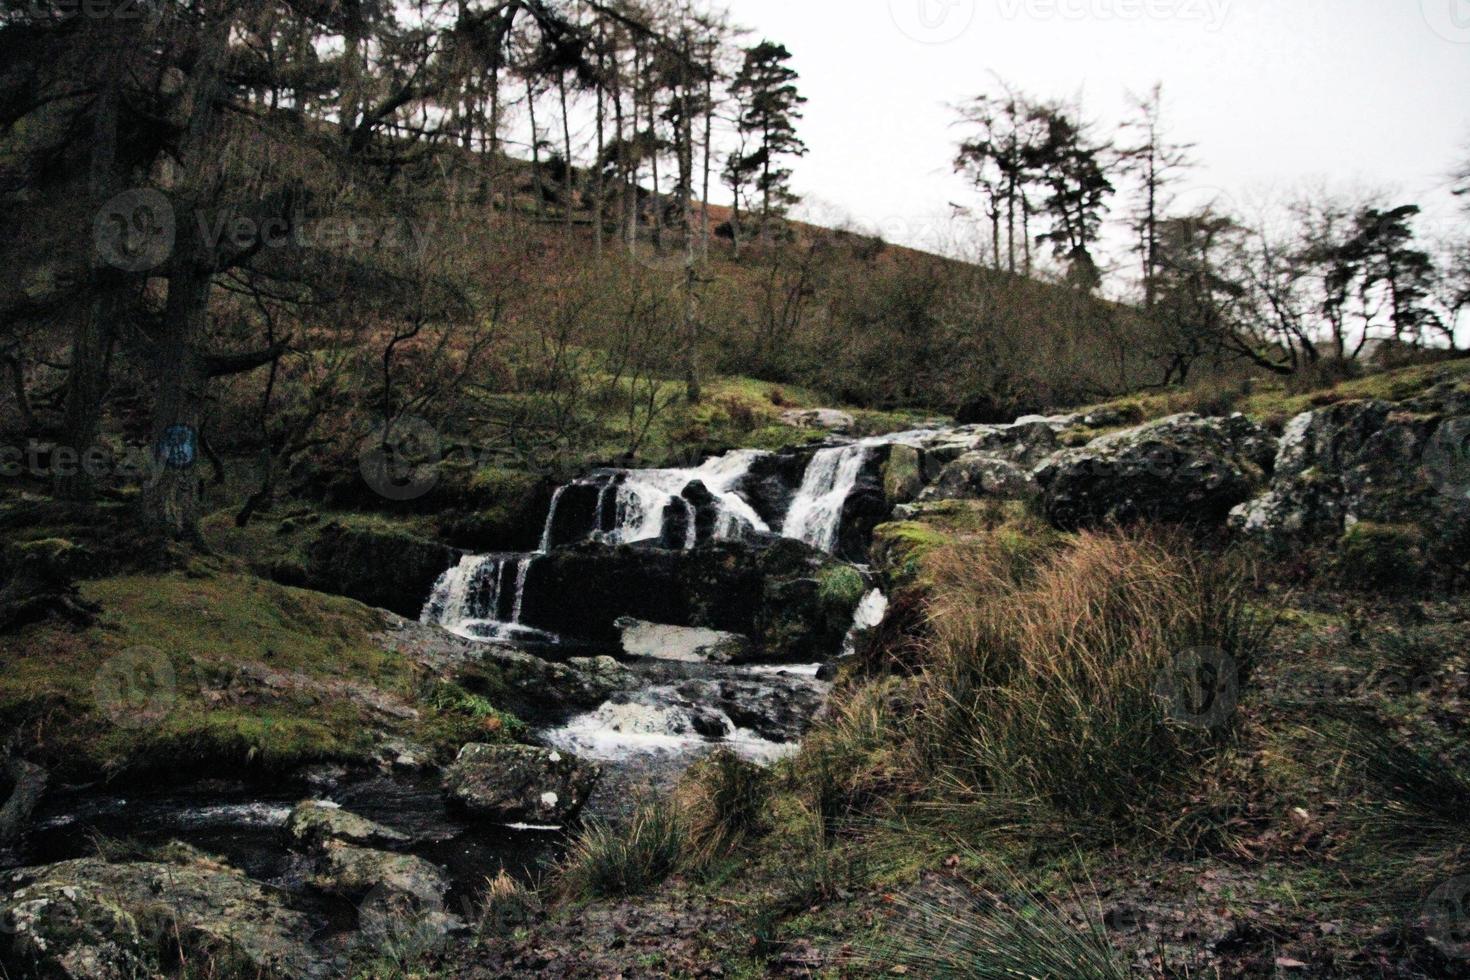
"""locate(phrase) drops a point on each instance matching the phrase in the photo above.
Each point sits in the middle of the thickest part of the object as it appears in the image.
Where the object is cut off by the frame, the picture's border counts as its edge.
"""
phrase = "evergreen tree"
(769, 107)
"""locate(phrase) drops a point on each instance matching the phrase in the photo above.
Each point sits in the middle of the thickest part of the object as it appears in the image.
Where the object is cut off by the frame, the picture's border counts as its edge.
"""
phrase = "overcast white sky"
(1276, 93)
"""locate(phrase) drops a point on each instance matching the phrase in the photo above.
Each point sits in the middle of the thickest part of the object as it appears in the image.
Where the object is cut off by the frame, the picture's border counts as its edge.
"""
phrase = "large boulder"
(520, 783)
(1367, 462)
(682, 644)
(827, 419)
(1184, 468)
(93, 920)
(979, 476)
(386, 569)
(353, 872)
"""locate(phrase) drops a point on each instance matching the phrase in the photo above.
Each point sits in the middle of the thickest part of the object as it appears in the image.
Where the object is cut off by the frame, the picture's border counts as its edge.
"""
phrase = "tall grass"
(723, 801)
(608, 860)
(979, 934)
(1044, 675)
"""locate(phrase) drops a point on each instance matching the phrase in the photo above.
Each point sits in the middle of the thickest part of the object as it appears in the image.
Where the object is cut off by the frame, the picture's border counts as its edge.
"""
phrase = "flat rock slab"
(684, 644)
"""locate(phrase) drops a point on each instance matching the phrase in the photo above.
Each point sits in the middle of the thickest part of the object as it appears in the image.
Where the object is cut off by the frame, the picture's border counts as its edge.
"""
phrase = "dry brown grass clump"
(1092, 678)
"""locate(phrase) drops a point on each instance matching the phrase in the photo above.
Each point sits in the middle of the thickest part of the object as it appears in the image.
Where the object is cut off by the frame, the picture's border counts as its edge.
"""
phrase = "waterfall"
(816, 512)
(471, 598)
(631, 505)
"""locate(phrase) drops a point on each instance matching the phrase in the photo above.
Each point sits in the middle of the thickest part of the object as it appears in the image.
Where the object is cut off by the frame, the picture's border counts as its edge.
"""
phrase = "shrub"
(609, 861)
(723, 800)
(1381, 557)
(1045, 680)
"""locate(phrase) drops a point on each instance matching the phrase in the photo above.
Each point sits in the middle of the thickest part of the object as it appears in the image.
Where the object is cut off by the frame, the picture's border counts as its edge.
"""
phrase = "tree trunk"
(566, 133)
(97, 315)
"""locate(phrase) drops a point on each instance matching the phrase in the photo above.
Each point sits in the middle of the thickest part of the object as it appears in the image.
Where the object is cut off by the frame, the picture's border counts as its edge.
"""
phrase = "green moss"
(1381, 557)
(239, 671)
(840, 586)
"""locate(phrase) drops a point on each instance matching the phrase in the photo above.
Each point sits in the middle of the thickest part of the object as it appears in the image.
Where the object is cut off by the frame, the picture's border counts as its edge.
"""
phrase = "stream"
(678, 708)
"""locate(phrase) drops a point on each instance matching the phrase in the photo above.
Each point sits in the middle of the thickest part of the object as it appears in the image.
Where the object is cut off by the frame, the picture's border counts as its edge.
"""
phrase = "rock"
(1183, 468)
(764, 589)
(404, 756)
(778, 712)
(352, 872)
(1366, 461)
(384, 569)
(92, 920)
(685, 644)
(980, 475)
(22, 784)
(771, 482)
(903, 475)
(520, 783)
(314, 824)
(829, 419)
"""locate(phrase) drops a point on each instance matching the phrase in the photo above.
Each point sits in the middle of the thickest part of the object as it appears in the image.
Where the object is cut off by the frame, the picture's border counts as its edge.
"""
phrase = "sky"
(1276, 94)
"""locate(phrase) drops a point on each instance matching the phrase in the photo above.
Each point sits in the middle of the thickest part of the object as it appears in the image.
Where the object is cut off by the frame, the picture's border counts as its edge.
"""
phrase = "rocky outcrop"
(980, 476)
(1184, 469)
(519, 783)
(314, 824)
(93, 920)
(1367, 462)
(385, 569)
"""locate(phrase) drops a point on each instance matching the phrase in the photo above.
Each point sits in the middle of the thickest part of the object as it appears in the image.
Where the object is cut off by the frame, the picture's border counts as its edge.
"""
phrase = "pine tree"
(769, 107)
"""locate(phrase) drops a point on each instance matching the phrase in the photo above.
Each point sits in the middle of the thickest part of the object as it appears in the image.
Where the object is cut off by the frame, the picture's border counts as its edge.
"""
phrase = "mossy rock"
(1381, 557)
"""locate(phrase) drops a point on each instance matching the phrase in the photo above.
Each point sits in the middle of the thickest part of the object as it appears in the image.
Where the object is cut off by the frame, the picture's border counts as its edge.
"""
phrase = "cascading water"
(816, 512)
(481, 598)
(633, 505)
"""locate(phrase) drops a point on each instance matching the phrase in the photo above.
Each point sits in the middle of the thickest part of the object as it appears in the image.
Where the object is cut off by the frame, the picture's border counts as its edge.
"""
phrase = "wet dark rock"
(385, 569)
(22, 784)
(771, 483)
(764, 589)
(779, 712)
(1183, 469)
(519, 783)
